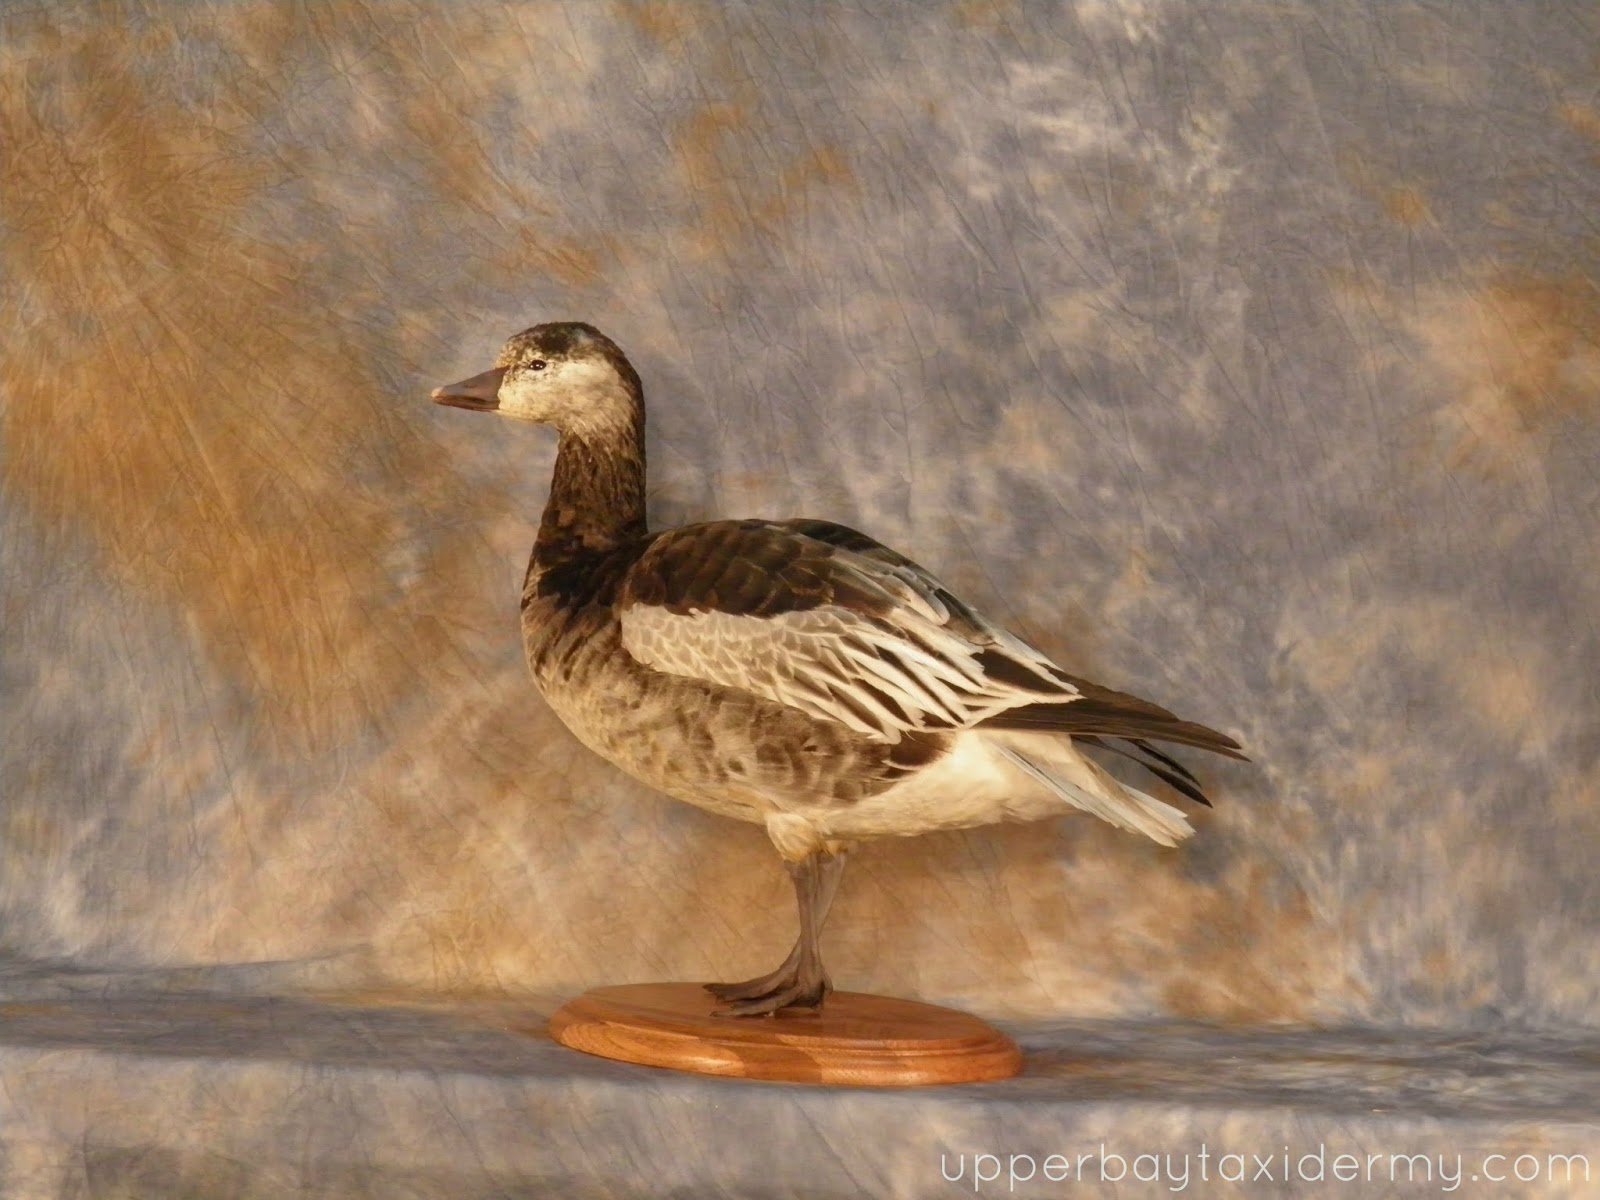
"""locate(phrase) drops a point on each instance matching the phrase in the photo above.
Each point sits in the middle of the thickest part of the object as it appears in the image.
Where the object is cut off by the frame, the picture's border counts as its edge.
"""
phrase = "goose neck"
(597, 493)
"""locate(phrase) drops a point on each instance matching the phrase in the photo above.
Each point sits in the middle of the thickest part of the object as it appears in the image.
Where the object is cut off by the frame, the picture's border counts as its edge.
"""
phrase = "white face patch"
(571, 394)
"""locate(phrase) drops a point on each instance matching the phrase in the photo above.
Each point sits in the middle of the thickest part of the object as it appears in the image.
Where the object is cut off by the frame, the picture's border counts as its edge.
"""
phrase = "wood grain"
(857, 1041)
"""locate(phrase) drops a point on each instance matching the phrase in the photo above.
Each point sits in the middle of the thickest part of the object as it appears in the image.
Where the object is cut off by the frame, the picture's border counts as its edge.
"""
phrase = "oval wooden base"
(857, 1040)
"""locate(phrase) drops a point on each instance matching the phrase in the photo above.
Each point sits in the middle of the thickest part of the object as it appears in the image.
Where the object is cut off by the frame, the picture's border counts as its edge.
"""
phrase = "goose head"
(566, 374)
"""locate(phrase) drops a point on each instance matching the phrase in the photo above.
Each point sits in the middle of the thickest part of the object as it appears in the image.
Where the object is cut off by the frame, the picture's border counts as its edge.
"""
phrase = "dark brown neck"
(597, 494)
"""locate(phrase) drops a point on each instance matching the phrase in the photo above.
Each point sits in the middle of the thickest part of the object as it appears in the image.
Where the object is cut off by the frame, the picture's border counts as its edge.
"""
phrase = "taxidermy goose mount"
(796, 674)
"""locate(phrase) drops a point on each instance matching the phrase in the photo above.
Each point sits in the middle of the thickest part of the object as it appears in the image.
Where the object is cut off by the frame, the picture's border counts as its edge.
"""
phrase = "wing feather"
(838, 627)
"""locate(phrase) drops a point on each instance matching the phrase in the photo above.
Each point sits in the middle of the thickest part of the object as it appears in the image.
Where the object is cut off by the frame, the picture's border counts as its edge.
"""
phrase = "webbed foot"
(761, 985)
(799, 983)
(800, 986)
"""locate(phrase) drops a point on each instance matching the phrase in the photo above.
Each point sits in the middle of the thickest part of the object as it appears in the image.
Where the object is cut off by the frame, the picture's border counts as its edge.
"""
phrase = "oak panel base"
(857, 1040)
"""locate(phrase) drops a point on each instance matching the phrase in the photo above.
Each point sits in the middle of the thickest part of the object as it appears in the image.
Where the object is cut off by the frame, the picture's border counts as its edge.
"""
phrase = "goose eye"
(538, 364)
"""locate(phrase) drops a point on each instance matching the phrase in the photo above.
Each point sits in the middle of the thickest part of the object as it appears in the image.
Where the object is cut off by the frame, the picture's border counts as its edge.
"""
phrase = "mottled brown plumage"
(796, 673)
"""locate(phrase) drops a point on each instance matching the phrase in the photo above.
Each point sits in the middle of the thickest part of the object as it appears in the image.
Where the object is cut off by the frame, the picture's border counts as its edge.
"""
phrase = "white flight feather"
(928, 695)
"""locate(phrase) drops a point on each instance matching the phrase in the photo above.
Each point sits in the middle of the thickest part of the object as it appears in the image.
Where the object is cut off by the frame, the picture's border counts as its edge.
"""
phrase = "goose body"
(796, 674)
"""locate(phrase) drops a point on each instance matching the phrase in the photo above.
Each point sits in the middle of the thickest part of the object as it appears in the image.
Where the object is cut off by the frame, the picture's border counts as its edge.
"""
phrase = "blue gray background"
(1244, 355)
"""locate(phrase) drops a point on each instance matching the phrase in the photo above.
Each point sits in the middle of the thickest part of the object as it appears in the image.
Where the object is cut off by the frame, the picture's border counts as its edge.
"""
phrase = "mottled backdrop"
(1244, 354)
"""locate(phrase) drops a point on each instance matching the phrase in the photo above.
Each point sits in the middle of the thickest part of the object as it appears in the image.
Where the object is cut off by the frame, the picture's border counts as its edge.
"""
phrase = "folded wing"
(824, 619)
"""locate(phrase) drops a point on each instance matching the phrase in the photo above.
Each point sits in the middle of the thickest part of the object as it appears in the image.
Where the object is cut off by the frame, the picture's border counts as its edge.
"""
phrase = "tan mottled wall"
(1246, 355)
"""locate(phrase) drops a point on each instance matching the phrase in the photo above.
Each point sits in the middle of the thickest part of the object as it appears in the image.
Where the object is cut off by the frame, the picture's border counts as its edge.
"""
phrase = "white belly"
(969, 786)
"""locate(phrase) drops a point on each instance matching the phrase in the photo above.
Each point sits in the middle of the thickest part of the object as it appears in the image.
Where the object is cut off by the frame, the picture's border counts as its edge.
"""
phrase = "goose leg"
(816, 880)
(800, 982)
(830, 869)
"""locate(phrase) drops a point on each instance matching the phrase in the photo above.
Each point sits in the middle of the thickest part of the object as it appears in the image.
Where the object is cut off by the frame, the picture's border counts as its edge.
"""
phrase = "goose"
(796, 674)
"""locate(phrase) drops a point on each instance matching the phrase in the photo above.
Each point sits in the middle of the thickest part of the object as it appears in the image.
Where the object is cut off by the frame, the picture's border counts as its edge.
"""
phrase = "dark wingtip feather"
(1093, 715)
(1167, 769)
(1165, 759)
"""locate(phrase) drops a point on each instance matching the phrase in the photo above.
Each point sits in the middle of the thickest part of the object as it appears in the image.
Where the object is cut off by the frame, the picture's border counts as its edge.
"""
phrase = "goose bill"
(480, 393)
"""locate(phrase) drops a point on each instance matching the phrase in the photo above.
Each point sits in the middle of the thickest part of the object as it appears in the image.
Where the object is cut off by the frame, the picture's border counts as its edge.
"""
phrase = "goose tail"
(1083, 784)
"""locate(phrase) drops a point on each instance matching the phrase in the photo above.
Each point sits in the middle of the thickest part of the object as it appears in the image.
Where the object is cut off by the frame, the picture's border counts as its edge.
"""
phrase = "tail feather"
(1084, 784)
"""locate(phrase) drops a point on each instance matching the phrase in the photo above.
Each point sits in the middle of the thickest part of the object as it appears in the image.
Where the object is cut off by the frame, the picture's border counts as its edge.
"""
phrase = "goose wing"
(824, 619)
